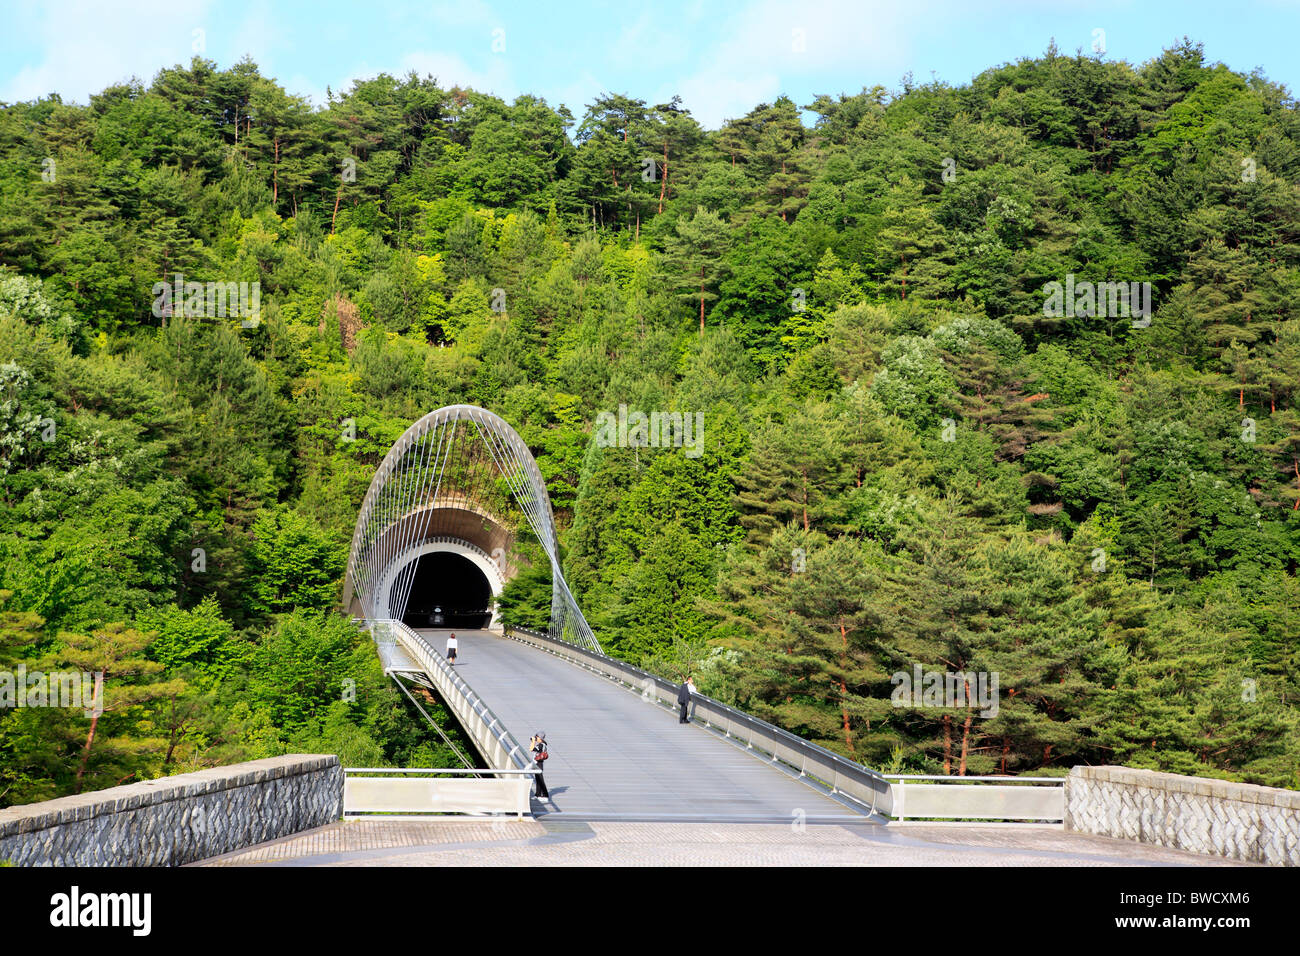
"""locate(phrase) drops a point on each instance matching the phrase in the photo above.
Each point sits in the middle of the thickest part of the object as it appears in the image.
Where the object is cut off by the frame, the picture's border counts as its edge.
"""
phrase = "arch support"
(446, 484)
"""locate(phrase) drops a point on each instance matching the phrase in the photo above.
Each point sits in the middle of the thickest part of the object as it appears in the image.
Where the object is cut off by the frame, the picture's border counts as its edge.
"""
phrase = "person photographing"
(540, 755)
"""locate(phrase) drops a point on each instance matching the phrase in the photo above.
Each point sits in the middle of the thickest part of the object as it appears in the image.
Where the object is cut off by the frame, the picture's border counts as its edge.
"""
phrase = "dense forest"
(908, 458)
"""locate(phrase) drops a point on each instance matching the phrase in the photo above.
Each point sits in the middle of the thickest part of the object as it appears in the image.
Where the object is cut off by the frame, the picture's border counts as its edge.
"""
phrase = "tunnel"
(459, 480)
(449, 591)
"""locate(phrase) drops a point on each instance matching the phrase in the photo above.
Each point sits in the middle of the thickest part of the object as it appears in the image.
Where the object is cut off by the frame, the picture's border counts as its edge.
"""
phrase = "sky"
(722, 58)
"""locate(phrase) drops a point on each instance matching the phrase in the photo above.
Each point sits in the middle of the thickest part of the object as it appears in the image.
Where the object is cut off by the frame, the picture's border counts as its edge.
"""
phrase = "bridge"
(440, 528)
(459, 506)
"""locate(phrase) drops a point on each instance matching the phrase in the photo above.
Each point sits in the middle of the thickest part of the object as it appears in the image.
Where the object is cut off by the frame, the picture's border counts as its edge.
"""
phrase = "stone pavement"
(569, 842)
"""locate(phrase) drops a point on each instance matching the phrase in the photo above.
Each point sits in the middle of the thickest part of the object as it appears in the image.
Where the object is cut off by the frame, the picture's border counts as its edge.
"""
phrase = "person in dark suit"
(684, 701)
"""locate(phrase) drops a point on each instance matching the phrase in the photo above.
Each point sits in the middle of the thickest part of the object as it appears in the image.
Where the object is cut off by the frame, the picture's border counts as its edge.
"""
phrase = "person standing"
(684, 700)
(690, 686)
(452, 645)
(540, 756)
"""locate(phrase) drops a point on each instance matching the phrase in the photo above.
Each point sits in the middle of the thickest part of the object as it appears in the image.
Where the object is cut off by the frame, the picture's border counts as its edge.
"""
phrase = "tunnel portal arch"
(459, 480)
(390, 585)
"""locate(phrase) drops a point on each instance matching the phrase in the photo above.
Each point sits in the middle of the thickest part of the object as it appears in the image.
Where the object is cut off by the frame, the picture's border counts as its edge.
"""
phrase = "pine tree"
(925, 617)
(995, 396)
(793, 471)
(694, 257)
(116, 652)
(798, 609)
(909, 236)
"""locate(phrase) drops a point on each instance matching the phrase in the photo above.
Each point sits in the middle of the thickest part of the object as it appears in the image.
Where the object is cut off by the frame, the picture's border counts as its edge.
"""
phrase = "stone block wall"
(1239, 821)
(176, 820)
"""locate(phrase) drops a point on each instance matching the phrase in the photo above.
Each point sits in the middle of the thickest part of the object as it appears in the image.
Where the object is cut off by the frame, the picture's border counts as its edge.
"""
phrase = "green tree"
(293, 563)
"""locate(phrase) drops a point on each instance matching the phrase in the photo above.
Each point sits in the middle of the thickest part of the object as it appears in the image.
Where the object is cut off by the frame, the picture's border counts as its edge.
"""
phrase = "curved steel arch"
(418, 472)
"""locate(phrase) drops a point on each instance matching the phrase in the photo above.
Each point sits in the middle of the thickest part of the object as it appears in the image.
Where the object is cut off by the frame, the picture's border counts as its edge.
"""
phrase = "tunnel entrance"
(448, 591)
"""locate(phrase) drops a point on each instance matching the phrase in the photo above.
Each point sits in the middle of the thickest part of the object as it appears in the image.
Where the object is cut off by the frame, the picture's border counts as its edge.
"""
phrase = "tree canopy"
(906, 458)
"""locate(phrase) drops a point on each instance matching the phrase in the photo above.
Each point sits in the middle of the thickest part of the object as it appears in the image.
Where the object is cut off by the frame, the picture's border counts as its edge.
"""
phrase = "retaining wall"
(1239, 821)
(176, 820)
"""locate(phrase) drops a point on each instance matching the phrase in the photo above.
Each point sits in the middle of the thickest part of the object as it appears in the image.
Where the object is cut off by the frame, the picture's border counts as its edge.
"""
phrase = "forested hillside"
(908, 457)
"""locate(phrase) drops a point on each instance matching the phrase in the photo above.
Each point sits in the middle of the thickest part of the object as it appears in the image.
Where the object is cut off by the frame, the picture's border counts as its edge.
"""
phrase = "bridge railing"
(491, 738)
(934, 797)
(391, 793)
(842, 776)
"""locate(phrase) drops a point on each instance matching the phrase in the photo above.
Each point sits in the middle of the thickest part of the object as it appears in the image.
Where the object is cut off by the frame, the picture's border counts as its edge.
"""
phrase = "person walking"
(538, 746)
(452, 645)
(684, 700)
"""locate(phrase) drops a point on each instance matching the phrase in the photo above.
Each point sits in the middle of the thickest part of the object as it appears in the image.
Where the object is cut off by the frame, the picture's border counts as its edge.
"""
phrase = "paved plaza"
(569, 842)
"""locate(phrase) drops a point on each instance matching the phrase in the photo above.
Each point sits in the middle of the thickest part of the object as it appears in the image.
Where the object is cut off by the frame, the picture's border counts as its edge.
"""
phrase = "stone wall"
(1239, 821)
(175, 820)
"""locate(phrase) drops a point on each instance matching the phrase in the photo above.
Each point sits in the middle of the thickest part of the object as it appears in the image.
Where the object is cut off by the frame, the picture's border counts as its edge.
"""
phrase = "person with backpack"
(684, 701)
(540, 756)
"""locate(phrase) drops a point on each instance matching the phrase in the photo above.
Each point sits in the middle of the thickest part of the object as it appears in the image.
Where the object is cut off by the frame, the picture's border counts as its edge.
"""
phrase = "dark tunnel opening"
(449, 591)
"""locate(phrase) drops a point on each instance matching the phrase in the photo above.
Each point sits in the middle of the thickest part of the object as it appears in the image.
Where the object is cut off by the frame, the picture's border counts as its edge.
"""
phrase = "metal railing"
(392, 792)
(428, 771)
(494, 742)
(949, 778)
(1013, 799)
(842, 776)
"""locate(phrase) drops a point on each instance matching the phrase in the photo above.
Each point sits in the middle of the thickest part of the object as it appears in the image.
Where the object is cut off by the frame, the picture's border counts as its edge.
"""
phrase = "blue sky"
(722, 58)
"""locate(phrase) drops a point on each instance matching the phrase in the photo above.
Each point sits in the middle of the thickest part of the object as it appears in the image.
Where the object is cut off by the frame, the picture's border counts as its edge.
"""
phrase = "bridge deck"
(614, 755)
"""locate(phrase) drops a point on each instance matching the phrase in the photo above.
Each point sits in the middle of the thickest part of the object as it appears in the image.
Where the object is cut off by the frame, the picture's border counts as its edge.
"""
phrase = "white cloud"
(759, 47)
(258, 36)
(86, 45)
(578, 93)
(300, 85)
(449, 69)
(647, 42)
